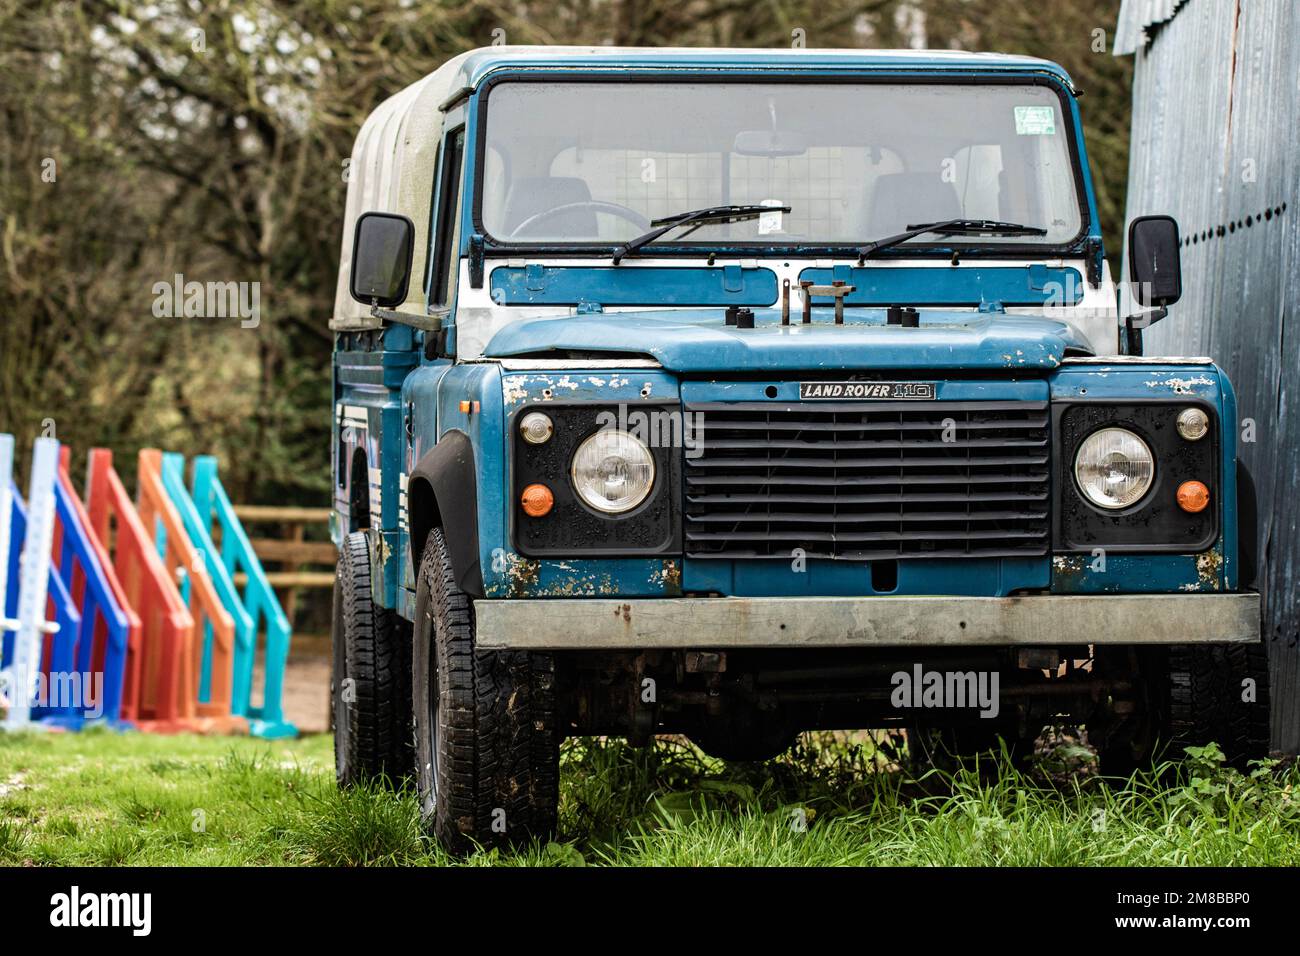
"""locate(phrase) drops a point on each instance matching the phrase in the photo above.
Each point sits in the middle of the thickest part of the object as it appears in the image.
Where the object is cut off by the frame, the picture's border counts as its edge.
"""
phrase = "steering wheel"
(595, 205)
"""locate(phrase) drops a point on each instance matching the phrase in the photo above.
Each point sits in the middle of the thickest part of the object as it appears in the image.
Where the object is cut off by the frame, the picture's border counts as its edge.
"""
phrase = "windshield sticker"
(1035, 121)
(770, 222)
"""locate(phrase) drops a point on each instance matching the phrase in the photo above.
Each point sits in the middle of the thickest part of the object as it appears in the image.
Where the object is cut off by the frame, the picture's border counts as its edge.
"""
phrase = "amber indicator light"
(537, 501)
(1193, 496)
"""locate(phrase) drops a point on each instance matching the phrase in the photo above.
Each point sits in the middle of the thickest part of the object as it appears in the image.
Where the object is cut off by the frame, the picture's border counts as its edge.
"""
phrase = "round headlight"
(1114, 468)
(612, 471)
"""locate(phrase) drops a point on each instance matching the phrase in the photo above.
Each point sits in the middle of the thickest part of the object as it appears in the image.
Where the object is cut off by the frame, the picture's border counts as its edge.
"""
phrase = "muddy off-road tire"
(1192, 696)
(1205, 700)
(486, 736)
(370, 680)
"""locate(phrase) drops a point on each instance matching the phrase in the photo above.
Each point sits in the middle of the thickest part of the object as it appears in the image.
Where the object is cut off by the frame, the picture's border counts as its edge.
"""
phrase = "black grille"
(888, 480)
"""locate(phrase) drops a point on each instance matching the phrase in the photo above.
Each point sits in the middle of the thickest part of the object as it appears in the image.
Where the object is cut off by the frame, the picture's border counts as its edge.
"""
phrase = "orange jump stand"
(183, 560)
(156, 660)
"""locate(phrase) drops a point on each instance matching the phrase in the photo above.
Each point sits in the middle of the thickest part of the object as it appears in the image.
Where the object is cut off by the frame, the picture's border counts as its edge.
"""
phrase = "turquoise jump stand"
(211, 507)
(173, 480)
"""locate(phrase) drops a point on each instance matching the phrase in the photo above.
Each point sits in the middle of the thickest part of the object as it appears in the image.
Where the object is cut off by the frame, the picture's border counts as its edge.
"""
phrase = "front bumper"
(612, 624)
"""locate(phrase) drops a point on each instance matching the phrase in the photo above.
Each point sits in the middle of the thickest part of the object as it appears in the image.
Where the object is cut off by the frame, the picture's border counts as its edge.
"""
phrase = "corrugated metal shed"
(1139, 20)
(1216, 144)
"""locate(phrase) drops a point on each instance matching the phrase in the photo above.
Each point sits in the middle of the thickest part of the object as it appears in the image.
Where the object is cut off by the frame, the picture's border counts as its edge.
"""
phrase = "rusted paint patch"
(1020, 358)
(1068, 570)
(1209, 567)
(1181, 386)
(521, 575)
(581, 585)
(518, 389)
(575, 583)
(668, 577)
(1185, 573)
(1068, 563)
(517, 576)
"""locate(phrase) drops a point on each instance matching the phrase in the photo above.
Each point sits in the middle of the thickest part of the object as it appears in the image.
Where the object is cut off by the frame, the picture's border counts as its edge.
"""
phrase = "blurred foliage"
(207, 139)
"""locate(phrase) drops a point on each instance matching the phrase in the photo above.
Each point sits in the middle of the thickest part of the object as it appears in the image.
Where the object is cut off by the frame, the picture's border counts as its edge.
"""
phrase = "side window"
(433, 221)
(447, 223)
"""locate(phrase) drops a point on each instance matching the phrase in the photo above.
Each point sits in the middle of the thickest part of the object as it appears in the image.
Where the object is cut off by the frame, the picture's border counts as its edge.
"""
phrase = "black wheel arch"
(358, 471)
(442, 491)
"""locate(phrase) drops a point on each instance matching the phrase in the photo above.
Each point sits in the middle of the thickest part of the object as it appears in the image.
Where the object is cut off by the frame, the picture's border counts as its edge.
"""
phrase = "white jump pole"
(6, 514)
(33, 582)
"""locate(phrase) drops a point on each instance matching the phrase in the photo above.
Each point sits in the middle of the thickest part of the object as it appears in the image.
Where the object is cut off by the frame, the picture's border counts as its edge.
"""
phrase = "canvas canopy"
(393, 166)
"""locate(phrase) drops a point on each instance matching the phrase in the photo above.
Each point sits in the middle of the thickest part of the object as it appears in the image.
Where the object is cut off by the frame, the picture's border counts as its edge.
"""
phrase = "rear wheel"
(369, 683)
(486, 736)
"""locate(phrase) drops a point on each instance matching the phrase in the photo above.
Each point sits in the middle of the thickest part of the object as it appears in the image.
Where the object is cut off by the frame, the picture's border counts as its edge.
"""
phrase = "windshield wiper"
(950, 227)
(694, 218)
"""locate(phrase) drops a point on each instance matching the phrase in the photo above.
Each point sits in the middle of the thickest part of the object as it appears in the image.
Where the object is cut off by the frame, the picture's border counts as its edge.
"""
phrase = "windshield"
(595, 162)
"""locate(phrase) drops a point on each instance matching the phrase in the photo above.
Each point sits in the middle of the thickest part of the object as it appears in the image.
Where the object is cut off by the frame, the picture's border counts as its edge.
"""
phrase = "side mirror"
(382, 248)
(1155, 263)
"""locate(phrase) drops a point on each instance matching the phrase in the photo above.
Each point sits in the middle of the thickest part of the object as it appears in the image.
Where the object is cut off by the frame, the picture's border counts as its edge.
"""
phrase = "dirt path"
(306, 694)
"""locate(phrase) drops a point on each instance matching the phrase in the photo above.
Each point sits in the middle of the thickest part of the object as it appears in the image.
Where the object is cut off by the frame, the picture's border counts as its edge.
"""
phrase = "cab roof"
(475, 65)
(394, 157)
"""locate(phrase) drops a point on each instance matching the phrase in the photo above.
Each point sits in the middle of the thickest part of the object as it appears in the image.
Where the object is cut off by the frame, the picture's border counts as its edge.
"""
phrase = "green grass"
(99, 798)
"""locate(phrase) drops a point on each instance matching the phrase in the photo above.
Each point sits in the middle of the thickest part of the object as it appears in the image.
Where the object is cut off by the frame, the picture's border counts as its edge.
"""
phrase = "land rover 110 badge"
(873, 391)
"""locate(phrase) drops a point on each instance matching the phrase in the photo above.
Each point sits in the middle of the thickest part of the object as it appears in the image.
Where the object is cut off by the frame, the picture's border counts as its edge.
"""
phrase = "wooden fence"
(293, 555)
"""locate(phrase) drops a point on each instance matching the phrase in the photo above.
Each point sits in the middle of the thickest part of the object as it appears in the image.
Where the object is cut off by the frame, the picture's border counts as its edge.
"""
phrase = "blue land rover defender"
(738, 393)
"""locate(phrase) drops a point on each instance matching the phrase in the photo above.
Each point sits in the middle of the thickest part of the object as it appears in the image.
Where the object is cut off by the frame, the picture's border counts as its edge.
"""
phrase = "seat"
(901, 199)
(536, 194)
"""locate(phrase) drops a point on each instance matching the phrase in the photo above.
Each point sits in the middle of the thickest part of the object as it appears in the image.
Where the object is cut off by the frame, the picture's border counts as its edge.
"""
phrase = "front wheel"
(1219, 693)
(486, 737)
(1190, 695)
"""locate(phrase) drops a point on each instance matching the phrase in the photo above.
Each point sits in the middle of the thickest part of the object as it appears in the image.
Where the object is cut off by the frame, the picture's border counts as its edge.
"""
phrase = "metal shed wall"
(1216, 144)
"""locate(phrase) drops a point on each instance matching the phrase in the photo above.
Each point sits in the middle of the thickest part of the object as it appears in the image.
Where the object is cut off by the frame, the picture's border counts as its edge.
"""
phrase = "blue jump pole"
(99, 609)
